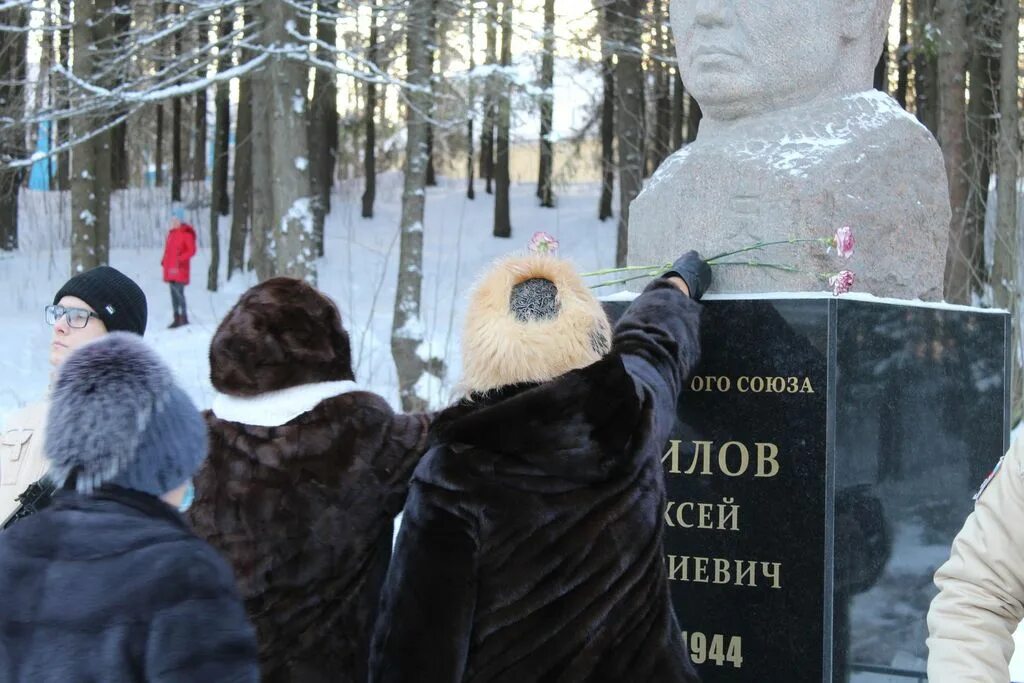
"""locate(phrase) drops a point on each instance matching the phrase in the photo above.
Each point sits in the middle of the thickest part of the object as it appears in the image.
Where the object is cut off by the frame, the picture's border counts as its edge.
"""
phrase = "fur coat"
(113, 587)
(305, 476)
(531, 544)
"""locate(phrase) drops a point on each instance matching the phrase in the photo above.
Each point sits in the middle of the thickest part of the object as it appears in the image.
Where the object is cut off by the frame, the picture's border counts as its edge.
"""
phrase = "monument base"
(826, 454)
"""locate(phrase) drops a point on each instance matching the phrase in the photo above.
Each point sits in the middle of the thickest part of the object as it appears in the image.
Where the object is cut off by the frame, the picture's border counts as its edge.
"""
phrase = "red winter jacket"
(180, 247)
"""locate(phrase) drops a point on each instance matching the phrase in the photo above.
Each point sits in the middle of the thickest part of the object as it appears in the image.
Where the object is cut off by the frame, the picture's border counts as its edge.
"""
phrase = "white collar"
(276, 408)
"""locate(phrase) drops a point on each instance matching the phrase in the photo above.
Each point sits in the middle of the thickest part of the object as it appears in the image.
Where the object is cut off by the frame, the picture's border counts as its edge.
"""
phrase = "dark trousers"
(178, 299)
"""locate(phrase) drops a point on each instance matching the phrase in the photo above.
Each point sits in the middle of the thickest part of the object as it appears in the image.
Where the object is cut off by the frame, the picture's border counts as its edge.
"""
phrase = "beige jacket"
(981, 588)
(21, 455)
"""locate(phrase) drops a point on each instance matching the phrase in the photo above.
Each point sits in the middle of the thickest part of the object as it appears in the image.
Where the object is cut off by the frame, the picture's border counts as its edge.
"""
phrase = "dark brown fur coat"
(303, 511)
(531, 546)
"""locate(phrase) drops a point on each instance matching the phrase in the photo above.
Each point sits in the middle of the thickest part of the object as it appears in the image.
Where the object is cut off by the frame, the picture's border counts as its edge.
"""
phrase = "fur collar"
(577, 426)
(276, 408)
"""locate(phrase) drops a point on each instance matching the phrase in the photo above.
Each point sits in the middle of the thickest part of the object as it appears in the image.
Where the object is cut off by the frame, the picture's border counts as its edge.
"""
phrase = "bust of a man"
(794, 143)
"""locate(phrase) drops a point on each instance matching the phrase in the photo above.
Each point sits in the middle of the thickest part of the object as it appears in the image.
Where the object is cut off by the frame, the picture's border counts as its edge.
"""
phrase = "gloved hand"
(694, 271)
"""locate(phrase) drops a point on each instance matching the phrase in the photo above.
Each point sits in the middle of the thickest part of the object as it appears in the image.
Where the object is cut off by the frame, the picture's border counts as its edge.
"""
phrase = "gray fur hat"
(116, 416)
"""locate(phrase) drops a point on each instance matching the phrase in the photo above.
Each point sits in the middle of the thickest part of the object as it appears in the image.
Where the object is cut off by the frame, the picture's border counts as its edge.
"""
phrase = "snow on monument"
(794, 144)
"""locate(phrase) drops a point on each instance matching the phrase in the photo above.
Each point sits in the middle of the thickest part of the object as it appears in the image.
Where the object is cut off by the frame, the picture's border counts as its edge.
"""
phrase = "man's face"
(744, 57)
(67, 338)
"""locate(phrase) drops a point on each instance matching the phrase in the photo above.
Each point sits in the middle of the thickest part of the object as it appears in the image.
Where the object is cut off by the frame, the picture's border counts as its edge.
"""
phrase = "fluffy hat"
(280, 334)
(117, 300)
(178, 211)
(530, 319)
(116, 416)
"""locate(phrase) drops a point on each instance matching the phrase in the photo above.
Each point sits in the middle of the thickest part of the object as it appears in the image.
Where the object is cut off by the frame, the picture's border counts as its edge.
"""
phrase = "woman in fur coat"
(305, 476)
(531, 543)
(108, 583)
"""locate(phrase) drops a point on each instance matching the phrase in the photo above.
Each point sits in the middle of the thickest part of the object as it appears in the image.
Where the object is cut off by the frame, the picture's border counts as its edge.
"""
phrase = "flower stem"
(759, 264)
(623, 281)
(762, 245)
(624, 269)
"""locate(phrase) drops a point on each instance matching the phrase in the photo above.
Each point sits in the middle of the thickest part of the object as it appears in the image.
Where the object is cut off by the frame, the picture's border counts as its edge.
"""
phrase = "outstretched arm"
(658, 339)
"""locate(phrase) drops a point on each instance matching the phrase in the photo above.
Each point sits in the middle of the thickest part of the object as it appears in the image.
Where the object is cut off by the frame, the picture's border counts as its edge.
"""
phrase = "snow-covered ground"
(358, 272)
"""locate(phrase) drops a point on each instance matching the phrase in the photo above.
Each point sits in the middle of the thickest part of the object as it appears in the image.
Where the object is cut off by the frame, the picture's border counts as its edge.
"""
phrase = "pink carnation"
(841, 282)
(843, 241)
(543, 243)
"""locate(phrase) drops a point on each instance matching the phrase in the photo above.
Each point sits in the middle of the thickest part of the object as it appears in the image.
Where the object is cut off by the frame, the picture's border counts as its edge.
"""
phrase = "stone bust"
(795, 143)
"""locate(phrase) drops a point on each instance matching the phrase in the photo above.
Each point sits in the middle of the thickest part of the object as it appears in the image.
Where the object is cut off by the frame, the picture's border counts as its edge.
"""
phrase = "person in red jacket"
(178, 251)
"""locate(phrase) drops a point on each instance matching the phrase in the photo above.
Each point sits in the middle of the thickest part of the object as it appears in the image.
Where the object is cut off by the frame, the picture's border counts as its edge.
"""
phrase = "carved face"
(744, 57)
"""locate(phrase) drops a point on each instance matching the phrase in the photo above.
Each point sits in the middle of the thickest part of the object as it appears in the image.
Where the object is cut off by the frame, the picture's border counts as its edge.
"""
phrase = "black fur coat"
(113, 587)
(304, 513)
(531, 545)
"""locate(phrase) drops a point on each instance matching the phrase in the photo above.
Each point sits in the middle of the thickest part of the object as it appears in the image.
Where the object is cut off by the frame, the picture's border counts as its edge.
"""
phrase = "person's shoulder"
(361, 405)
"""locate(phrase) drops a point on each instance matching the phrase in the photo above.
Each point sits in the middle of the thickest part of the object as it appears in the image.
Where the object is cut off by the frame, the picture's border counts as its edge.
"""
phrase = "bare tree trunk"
(219, 201)
(432, 38)
(980, 142)
(630, 93)
(502, 179)
(1007, 287)
(951, 19)
(242, 212)
(199, 138)
(222, 143)
(490, 92)
(323, 117)
(470, 189)
(176, 149)
(119, 162)
(199, 123)
(262, 223)
(13, 62)
(903, 56)
(370, 122)
(64, 126)
(407, 326)
(176, 128)
(547, 97)
(121, 25)
(926, 80)
(90, 177)
(662, 138)
(604, 210)
(678, 113)
(158, 157)
(288, 146)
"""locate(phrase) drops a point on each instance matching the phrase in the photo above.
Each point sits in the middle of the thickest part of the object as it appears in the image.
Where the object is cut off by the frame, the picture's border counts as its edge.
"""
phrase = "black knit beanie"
(117, 300)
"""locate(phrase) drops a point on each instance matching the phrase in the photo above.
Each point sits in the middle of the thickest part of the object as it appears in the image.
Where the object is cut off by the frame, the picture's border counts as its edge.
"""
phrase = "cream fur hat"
(530, 319)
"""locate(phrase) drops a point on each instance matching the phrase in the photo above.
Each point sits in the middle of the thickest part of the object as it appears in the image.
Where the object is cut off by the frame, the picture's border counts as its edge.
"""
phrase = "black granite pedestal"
(826, 454)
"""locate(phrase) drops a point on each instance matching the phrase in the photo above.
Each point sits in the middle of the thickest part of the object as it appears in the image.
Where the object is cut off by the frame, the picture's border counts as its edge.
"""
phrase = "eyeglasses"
(77, 317)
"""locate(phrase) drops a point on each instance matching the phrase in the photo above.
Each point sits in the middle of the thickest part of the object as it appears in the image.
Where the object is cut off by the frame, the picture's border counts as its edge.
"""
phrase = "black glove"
(694, 271)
